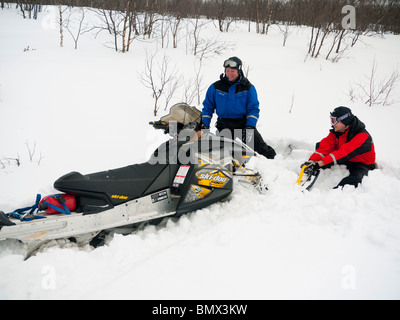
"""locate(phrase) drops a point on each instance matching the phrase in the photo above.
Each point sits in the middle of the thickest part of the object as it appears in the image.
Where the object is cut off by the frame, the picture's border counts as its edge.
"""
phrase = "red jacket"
(355, 146)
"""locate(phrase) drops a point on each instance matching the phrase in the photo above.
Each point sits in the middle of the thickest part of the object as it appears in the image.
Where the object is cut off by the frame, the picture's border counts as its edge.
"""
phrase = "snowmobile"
(192, 170)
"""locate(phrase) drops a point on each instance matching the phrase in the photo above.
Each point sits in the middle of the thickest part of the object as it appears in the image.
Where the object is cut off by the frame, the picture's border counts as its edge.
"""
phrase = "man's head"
(341, 118)
(233, 68)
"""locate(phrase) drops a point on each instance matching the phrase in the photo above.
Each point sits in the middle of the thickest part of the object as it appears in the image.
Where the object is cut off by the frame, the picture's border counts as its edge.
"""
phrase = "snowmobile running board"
(80, 225)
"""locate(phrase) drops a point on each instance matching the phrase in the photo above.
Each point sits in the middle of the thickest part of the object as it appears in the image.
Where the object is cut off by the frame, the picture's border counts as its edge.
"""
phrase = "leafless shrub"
(374, 91)
(189, 92)
(125, 25)
(292, 103)
(193, 88)
(198, 81)
(210, 47)
(246, 70)
(74, 23)
(204, 47)
(175, 26)
(171, 89)
(160, 78)
(4, 162)
(284, 30)
(31, 150)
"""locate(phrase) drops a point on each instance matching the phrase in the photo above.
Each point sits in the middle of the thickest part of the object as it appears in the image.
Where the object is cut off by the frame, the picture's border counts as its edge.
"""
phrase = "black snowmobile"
(191, 171)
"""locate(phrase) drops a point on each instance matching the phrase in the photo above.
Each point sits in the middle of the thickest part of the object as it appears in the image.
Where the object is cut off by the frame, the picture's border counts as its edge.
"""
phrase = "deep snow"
(87, 111)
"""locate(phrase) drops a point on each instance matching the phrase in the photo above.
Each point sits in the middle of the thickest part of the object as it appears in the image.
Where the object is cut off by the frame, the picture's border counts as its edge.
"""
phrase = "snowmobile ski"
(308, 176)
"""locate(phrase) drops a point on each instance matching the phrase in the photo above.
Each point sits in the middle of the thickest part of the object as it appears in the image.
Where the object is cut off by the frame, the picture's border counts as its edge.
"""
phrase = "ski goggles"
(336, 120)
(231, 64)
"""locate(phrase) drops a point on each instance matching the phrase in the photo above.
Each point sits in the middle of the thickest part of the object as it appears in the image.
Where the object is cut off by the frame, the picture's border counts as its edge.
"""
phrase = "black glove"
(204, 127)
(312, 168)
(307, 163)
(248, 135)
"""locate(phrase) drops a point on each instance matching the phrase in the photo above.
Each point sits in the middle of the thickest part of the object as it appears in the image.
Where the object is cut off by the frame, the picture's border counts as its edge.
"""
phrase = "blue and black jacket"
(232, 101)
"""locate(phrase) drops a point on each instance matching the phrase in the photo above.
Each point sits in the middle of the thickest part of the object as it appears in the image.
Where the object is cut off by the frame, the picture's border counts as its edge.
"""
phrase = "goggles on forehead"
(231, 64)
(335, 120)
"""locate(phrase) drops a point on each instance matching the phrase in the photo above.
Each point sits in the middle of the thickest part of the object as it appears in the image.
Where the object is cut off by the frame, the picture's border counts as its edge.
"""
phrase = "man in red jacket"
(348, 143)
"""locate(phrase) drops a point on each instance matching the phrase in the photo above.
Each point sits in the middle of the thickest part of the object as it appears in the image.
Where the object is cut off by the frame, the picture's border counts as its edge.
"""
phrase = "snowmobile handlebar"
(160, 125)
(177, 127)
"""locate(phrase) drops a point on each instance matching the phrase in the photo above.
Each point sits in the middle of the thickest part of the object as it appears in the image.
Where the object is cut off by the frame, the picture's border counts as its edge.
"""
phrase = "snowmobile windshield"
(183, 113)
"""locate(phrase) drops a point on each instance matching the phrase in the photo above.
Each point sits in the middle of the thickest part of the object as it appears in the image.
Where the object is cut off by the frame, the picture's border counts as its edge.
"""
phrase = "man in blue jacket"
(235, 101)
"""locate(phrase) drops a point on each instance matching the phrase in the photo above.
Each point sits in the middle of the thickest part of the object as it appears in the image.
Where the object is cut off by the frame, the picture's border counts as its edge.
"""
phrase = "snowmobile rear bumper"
(4, 220)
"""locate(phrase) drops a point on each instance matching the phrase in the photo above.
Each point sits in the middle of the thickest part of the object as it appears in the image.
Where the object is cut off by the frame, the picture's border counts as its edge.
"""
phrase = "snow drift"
(85, 110)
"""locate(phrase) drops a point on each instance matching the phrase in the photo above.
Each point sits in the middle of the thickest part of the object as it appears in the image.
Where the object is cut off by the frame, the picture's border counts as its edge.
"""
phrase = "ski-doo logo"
(207, 176)
(209, 179)
(116, 196)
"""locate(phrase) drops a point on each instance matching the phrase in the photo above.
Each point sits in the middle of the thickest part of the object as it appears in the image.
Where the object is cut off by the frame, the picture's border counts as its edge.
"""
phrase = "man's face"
(232, 74)
(340, 127)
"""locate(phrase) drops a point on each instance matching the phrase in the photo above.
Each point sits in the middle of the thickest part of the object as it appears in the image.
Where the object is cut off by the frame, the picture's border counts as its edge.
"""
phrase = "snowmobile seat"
(116, 186)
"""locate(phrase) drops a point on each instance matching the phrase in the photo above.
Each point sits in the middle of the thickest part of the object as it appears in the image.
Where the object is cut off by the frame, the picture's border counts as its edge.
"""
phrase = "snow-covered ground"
(85, 110)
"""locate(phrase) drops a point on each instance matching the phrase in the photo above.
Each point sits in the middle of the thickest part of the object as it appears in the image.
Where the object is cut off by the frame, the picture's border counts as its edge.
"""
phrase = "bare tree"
(29, 9)
(74, 24)
(149, 18)
(8, 161)
(124, 25)
(206, 48)
(112, 21)
(338, 40)
(376, 92)
(285, 31)
(171, 89)
(31, 150)
(292, 103)
(194, 35)
(268, 18)
(164, 29)
(175, 27)
(157, 78)
(226, 12)
(199, 88)
(193, 88)
(60, 11)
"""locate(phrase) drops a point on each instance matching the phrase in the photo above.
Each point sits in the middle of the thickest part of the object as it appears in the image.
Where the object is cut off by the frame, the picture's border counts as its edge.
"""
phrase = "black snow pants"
(357, 172)
(236, 128)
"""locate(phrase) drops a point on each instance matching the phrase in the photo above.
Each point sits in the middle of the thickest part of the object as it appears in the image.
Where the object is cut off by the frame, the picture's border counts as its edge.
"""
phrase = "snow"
(85, 110)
